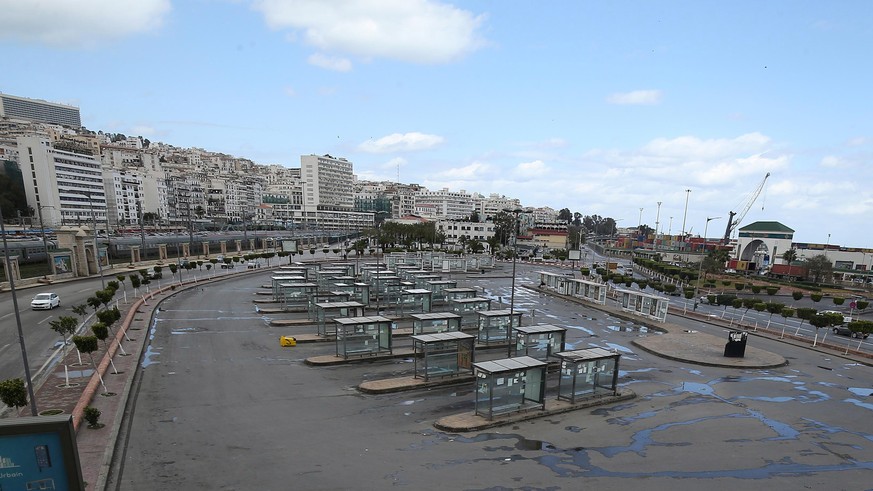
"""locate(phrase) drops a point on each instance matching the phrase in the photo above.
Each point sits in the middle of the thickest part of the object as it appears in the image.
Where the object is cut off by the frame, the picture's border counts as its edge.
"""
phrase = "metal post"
(687, 195)
(94, 232)
(657, 225)
(141, 229)
(48, 256)
(700, 266)
(27, 377)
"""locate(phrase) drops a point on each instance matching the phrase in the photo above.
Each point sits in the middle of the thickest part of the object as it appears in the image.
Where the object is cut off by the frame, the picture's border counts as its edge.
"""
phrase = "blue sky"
(600, 107)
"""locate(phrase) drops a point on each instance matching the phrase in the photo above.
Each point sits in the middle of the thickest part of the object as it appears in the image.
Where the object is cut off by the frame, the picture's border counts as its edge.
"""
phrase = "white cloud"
(83, 23)
(289, 91)
(401, 142)
(636, 97)
(691, 147)
(330, 62)
(857, 141)
(832, 161)
(473, 171)
(536, 168)
(418, 31)
(143, 130)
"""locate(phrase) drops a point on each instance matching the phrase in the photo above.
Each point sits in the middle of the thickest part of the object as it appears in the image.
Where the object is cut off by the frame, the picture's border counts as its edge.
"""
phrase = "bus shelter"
(363, 336)
(407, 274)
(348, 267)
(358, 292)
(324, 297)
(325, 276)
(293, 271)
(467, 308)
(495, 326)
(435, 322)
(588, 290)
(558, 282)
(296, 295)
(437, 287)
(448, 264)
(382, 283)
(645, 304)
(368, 274)
(445, 354)
(328, 311)
(276, 282)
(422, 281)
(509, 385)
(541, 341)
(415, 301)
(587, 372)
(451, 293)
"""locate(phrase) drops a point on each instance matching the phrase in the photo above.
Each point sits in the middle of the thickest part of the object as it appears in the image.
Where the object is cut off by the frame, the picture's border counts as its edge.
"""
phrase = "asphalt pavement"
(109, 388)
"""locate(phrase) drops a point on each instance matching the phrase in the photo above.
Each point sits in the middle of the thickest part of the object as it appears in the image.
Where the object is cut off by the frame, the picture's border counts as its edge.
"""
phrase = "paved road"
(221, 405)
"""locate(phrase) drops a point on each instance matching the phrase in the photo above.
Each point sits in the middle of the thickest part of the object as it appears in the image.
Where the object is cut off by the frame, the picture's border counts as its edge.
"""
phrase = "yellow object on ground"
(287, 341)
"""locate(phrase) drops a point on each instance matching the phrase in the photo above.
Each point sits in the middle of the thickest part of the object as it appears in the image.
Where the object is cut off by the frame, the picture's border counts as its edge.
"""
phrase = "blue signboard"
(39, 453)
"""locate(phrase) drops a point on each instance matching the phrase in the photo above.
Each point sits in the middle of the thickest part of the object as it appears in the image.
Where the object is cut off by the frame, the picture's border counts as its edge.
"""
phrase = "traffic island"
(705, 349)
(470, 421)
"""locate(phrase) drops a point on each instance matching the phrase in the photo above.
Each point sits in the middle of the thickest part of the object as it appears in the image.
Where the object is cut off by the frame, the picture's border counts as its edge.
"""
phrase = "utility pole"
(657, 224)
(687, 195)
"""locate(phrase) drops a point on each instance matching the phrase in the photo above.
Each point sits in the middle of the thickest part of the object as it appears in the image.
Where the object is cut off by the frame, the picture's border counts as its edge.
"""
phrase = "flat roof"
(499, 312)
(338, 305)
(435, 316)
(442, 336)
(470, 299)
(539, 329)
(373, 319)
(509, 364)
(587, 354)
(416, 291)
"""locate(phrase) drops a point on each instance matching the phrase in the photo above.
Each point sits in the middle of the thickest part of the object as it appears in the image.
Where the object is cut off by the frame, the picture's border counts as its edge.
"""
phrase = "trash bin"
(287, 341)
(736, 345)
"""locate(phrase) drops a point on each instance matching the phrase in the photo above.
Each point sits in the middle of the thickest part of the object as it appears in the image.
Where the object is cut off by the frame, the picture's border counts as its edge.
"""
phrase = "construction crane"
(731, 223)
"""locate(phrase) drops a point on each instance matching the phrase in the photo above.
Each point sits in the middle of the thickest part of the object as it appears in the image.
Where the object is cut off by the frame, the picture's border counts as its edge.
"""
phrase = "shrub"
(92, 416)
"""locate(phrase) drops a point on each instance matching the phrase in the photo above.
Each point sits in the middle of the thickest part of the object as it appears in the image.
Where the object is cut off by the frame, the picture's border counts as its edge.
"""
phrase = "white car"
(45, 301)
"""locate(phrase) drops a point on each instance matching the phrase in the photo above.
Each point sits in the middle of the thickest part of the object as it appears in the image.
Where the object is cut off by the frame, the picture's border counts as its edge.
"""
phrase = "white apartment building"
(494, 204)
(445, 204)
(124, 193)
(328, 194)
(63, 180)
(454, 229)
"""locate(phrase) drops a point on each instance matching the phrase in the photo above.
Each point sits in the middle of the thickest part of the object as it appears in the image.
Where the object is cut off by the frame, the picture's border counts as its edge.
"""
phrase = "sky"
(604, 108)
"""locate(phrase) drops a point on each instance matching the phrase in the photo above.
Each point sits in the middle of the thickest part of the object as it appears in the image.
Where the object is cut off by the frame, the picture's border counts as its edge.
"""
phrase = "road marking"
(7, 315)
(47, 318)
(85, 290)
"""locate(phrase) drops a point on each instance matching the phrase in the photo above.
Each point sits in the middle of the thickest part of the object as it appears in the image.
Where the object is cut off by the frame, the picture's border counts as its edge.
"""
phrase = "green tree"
(818, 268)
(818, 321)
(88, 345)
(13, 393)
(101, 332)
(64, 326)
(804, 314)
(714, 262)
(815, 297)
(790, 256)
(786, 313)
(796, 295)
(839, 300)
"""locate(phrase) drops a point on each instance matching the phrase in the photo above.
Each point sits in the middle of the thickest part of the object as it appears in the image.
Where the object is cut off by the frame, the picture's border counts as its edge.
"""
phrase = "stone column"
(223, 246)
(186, 249)
(134, 256)
(162, 252)
(251, 244)
(205, 245)
(238, 244)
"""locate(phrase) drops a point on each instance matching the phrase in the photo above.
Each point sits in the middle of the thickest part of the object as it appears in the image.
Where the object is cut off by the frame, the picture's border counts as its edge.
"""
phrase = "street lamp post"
(48, 256)
(94, 232)
(515, 231)
(657, 223)
(700, 267)
(684, 216)
(27, 377)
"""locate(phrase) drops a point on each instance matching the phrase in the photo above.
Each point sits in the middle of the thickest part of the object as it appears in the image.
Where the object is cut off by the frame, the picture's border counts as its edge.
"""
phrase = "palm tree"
(790, 256)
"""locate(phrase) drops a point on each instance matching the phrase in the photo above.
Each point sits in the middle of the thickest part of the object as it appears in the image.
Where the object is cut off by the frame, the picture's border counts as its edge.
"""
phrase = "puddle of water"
(618, 347)
(865, 405)
(147, 357)
(858, 391)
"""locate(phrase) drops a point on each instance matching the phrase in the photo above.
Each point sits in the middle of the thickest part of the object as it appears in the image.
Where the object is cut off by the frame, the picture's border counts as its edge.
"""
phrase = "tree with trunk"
(88, 344)
(786, 313)
(804, 314)
(101, 332)
(64, 326)
(818, 268)
(13, 393)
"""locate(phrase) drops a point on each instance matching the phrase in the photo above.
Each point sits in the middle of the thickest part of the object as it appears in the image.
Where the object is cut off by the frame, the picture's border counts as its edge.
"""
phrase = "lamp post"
(515, 231)
(657, 222)
(700, 267)
(28, 379)
(48, 256)
(687, 195)
(96, 247)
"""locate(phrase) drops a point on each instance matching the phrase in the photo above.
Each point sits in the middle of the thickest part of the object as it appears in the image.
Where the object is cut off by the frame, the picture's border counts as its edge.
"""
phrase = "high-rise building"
(38, 111)
(63, 179)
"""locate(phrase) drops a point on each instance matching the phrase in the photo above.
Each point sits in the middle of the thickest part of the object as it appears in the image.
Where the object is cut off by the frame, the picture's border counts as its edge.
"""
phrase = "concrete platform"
(401, 384)
(330, 360)
(705, 349)
(469, 421)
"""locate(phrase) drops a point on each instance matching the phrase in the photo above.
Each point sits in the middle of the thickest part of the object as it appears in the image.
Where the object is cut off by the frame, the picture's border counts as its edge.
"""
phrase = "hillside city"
(71, 175)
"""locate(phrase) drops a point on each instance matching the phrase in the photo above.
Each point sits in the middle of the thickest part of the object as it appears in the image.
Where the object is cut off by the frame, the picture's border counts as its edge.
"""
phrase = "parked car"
(45, 301)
